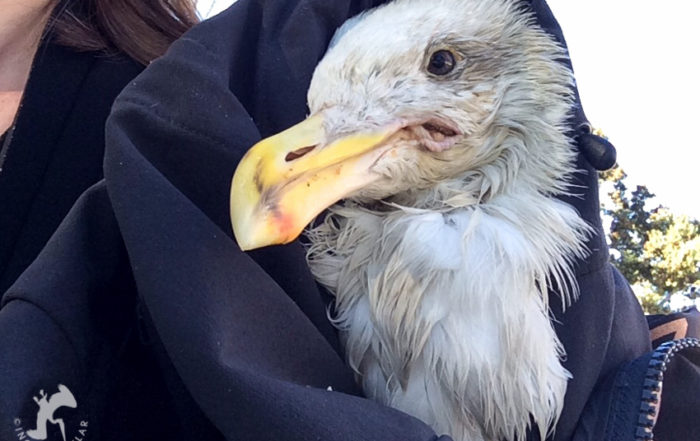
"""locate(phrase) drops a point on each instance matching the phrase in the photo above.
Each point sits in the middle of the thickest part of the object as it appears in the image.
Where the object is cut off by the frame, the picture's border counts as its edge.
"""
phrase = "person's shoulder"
(118, 62)
(113, 70)
(100, 76)
(99, 73)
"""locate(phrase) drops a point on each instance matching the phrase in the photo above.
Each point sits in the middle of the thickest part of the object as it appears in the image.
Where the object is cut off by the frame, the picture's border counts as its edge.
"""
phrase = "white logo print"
(47, 407)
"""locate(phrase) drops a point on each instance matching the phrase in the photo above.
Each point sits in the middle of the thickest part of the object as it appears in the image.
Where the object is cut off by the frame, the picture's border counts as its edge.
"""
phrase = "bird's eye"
(441, 62)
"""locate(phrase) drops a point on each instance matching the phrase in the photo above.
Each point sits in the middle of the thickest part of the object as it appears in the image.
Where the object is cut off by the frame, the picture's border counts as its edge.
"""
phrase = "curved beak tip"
(281, 184)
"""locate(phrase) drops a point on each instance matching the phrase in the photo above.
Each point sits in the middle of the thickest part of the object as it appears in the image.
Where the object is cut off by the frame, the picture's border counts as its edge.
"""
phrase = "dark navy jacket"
(143, 306)
(54, 150)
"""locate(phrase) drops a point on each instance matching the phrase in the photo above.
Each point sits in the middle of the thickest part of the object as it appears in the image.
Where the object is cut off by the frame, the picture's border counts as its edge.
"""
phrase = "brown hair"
(141, 29)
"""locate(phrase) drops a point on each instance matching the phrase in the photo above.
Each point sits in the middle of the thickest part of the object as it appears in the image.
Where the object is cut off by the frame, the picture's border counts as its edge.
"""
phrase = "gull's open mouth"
(435, 135)
(438, 132)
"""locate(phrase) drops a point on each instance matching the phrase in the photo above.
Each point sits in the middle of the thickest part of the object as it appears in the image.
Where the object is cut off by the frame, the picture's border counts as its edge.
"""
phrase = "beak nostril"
(298, 153)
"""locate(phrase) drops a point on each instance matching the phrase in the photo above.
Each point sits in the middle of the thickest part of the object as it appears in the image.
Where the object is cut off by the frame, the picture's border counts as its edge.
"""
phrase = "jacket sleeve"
(247, 334)
(70, 321)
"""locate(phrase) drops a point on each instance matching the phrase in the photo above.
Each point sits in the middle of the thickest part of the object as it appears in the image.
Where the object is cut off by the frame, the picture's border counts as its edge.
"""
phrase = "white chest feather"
(445, 315)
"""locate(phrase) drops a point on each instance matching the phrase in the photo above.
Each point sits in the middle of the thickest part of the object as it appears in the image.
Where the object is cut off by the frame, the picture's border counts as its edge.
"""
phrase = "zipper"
(653, 385)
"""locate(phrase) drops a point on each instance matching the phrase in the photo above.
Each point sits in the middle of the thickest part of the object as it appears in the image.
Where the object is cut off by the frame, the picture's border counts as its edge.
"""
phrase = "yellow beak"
(284, 181)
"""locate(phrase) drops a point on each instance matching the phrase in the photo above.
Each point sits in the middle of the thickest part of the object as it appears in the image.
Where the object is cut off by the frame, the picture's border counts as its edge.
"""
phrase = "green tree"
(673, 251)
(652, 247)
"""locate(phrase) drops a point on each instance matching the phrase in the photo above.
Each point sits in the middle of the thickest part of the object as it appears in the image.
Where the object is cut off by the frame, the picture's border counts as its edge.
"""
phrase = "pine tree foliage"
(655, 249)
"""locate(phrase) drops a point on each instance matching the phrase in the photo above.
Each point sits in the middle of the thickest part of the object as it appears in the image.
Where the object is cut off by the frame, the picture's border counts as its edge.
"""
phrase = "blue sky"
(638, 73)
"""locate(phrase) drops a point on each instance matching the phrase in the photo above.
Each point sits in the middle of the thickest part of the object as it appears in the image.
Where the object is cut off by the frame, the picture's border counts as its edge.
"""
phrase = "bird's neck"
(413, 287)
(551, 231)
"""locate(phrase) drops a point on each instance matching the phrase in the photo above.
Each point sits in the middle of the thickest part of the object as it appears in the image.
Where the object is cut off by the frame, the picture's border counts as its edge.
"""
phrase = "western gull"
(436, 147)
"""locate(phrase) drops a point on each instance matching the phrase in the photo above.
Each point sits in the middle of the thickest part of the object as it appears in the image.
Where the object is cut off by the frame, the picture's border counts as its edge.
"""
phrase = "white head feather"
(441, 287)
(508, 90)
